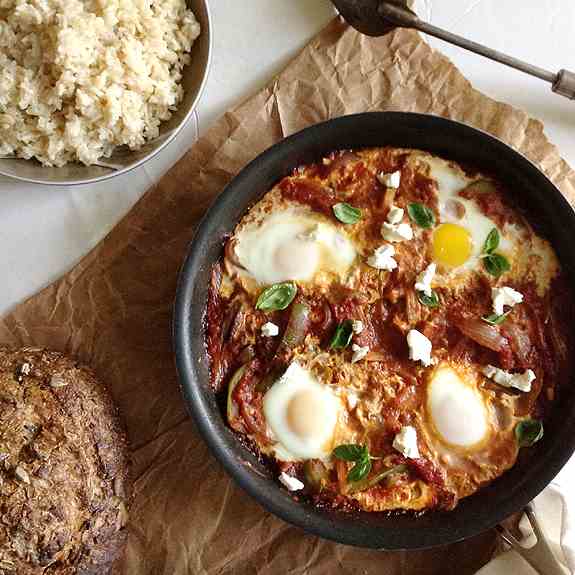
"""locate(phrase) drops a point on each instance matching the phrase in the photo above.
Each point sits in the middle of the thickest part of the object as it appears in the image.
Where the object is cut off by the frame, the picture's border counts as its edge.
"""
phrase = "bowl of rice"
(90, 89)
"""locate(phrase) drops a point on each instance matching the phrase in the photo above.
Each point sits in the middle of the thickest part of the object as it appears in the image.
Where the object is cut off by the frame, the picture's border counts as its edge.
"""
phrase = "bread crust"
(64, 479)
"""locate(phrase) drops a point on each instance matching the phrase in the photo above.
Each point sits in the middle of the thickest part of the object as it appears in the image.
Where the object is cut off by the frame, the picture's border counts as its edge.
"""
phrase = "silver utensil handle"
(540, 556)
(565, 84)
(562, 83)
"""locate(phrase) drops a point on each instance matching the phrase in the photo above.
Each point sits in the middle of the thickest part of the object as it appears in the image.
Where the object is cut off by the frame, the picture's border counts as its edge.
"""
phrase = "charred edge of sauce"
(250, 401)
(213, 327)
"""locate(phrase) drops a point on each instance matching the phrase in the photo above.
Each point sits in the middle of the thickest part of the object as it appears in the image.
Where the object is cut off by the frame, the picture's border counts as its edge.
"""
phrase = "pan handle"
(540, 556)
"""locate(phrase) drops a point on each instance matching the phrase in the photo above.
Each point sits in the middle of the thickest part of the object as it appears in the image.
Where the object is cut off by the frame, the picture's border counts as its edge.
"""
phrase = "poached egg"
(293, 244)
(302, 415)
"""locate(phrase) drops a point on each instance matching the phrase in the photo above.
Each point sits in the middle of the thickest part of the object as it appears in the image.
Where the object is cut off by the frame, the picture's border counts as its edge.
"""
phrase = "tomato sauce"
(537, 335)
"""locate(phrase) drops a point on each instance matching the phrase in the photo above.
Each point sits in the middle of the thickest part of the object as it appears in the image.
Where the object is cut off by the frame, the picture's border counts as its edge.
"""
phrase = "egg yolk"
(296, 260)
(457, 409)
(306, 414)
(451, 245)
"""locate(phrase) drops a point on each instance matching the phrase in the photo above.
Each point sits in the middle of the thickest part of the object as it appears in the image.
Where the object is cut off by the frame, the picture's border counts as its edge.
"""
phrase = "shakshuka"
(387, 330)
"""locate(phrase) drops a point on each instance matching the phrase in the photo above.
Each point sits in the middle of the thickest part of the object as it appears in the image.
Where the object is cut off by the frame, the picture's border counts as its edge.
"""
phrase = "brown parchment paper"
(113, 310)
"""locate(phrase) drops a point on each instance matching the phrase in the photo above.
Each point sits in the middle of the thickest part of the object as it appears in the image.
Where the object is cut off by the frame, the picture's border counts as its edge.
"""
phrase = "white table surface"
(45, 230)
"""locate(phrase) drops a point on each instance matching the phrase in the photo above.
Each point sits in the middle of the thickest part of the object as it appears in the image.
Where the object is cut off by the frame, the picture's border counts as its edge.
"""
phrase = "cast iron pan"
(549, 213)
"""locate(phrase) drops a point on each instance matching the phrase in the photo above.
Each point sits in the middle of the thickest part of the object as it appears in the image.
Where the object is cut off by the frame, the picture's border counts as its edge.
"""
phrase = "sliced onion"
(237, 319)
(413, 309)
(230, 319)
(482, 333)
(388, 198)
(232, 409)
(520, 342)
(231, 259)
(381, 311)
(327, 318)
(298, 324)
(366, 483)
(316, 474)
(558, 343)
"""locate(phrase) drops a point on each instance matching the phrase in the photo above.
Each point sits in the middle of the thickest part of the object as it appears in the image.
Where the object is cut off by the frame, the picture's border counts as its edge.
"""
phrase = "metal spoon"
(378, 17)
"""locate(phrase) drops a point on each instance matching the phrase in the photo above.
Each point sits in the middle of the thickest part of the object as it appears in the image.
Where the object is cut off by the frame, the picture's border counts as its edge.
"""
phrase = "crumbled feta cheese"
(270, 329)
(382, 258)
(390, 180)
(520, 381)
(419, 347)
(396, 232)
(357, 326)
(395, 215)
(292, 483)
(504, 296)
(406, 442)
(423, 281)
(359, 352)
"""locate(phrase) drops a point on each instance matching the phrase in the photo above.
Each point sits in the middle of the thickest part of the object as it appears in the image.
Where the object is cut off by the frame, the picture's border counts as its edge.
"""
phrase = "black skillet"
(548, 211)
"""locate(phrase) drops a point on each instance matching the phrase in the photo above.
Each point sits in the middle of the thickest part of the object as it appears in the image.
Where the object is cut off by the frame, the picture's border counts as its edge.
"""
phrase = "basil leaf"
(358, 454)
(350, 452)
(342, 336)
(492, 242)
(421, 215)
(496, 264)
(495, 319)
(528, 432)
(277, 297)
(359, 470)
(346, 214)
(429, 301)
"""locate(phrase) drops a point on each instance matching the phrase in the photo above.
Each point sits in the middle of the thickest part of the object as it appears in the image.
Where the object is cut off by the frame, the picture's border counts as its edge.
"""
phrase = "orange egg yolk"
(452, 245)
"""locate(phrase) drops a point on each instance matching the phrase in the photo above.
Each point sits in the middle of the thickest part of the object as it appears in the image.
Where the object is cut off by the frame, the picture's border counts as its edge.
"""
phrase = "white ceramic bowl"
(124, 159)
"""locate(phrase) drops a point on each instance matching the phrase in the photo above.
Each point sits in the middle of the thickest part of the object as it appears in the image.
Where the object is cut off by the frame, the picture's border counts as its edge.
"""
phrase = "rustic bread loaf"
(64, 483)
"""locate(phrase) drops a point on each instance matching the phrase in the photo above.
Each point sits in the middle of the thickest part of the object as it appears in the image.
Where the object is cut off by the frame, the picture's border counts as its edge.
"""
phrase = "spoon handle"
(540, 556)
(562, 83)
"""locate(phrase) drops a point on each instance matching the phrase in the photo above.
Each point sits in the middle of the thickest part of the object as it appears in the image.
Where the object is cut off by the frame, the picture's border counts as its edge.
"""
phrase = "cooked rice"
(80, 77)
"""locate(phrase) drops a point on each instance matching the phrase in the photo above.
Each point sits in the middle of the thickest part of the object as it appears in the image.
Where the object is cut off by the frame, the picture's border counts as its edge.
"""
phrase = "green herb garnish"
(346, 214)
(428, 300)
(358, 454)
(528, 432)
(342, 336)
(350, 452)
(421, 215)
(495, 319)
(277, 297)
(491, 242)
(495, 264)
